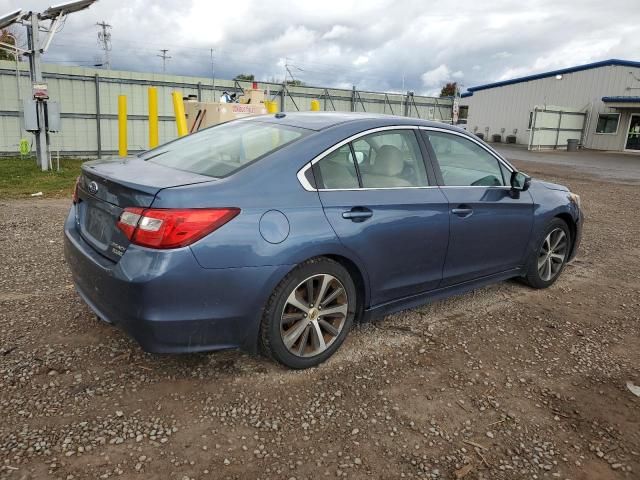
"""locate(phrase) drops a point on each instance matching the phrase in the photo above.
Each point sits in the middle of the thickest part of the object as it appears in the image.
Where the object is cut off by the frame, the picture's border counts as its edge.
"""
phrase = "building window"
(608, 123)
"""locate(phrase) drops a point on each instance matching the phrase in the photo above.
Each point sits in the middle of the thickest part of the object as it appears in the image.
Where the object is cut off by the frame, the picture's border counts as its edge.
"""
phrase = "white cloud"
(336, 32)
(574, 53)
(435, 77)
(433, 80)
(292, 39)
(420, 47)
(361, 60)
(501, 55)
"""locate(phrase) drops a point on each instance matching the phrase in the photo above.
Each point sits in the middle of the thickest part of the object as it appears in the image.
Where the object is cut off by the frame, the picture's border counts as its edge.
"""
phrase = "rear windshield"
(221, 150)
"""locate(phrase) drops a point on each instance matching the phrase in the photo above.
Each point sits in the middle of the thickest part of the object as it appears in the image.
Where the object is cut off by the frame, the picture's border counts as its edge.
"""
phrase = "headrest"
(389, 161)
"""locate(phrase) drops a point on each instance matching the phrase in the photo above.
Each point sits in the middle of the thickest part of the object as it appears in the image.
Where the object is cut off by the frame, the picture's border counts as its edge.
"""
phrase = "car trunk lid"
(106, 188)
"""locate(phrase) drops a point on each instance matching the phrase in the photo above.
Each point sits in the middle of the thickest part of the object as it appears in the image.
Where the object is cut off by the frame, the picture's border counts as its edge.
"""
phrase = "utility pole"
(213, 77)
(164, 58)
(287, 71)
(42, 135)
(104, 40)
(33, 22)
(16, 57)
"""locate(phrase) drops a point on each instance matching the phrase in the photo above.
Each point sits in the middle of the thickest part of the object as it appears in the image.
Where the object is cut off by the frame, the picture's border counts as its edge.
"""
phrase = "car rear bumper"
(166, 301)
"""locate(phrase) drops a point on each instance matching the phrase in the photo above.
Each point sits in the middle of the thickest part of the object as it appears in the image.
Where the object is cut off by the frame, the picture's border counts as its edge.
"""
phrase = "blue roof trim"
(466, 94)
(621, 99)
(579, 68)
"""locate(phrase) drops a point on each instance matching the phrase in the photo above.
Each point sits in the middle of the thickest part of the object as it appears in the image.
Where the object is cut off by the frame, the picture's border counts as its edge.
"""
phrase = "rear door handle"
(357, 214)
(462, 211)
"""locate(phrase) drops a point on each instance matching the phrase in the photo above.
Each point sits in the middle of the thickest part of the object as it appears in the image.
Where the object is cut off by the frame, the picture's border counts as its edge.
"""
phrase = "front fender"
(549, 203)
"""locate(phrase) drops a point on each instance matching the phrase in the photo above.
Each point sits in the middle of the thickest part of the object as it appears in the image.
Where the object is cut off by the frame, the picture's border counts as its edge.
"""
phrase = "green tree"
(6, 37)
(449, 90)
(246, 77)
(295, 83)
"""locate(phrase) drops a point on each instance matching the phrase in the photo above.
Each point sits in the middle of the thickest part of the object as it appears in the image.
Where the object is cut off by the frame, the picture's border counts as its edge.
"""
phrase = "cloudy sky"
(391, 45)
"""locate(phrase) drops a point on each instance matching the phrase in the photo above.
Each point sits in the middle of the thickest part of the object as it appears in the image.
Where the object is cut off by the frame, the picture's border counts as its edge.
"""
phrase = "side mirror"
(520, 181)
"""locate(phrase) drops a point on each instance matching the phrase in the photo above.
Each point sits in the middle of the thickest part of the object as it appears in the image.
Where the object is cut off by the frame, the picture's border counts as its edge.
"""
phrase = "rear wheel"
(548, 261)
(309, 314)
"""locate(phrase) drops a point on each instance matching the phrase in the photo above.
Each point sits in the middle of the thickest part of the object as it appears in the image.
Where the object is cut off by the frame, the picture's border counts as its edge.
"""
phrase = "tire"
(544, 268)
(302, 336)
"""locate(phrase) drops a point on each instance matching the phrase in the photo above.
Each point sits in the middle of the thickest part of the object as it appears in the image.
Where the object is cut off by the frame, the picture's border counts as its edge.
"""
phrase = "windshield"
(221, 150)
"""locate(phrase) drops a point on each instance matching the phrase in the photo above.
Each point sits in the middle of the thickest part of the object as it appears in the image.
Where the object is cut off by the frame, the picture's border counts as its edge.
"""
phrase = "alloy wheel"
(552, 254)
(314, 315)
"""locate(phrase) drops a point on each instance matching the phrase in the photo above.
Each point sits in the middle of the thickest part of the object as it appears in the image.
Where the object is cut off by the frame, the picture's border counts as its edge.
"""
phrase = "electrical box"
(52, 111)
(52, 116)
(30, 115)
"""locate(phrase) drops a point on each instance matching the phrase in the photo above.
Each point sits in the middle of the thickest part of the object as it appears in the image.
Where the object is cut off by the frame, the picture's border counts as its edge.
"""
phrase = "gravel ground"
(505, 382)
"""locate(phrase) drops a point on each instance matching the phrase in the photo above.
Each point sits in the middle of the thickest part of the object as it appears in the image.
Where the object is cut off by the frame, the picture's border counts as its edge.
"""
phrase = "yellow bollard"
(315, 105)
(122, 125)
(153, 117)
(272, 107)
(178, 108)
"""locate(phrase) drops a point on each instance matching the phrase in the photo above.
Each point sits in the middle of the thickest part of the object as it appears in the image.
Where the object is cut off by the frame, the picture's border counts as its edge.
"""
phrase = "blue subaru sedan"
(274, 234)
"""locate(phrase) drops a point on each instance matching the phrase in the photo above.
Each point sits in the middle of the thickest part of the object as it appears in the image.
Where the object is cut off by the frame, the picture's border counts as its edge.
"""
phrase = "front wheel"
(548, 261)
(309, 314)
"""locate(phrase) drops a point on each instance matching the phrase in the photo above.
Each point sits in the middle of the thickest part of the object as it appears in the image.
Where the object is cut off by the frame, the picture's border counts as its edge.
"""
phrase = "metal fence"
(89, 97)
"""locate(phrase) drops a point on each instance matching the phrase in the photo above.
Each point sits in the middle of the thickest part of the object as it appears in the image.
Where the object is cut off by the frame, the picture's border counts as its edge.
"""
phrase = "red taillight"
(128, 221)
(74, 196)
(172, 228)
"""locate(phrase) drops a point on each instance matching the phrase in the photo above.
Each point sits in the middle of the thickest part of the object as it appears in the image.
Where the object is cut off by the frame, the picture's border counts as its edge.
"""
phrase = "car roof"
(322, 120)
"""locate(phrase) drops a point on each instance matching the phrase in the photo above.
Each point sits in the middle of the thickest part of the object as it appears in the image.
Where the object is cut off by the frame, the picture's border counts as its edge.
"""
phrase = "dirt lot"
(506, 382)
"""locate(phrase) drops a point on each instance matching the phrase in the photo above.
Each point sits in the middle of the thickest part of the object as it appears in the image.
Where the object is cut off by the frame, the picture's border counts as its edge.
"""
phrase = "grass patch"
(20, 178)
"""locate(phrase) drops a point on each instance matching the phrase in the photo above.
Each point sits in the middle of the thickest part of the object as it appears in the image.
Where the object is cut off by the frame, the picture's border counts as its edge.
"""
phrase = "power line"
(104, 40)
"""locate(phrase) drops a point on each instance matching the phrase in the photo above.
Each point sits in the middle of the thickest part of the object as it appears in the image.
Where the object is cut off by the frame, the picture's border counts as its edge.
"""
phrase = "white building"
(598, 104)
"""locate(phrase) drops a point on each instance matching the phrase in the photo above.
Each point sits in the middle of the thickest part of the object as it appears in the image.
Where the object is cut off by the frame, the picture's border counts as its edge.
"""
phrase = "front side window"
(390, 159)
(608, 123)
(463, 162)
(221, 150)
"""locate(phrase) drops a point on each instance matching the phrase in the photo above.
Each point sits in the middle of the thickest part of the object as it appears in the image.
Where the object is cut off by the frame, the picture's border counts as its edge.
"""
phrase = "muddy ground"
(505, 382)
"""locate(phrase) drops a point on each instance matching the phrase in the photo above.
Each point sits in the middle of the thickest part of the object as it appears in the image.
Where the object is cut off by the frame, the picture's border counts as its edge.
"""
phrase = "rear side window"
(337, 170)
(221, 150)
(390, 159)
(463, 162)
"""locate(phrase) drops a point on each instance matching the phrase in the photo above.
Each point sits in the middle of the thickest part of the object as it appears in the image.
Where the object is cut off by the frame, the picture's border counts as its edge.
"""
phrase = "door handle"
(357, 214)
(462, 211)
